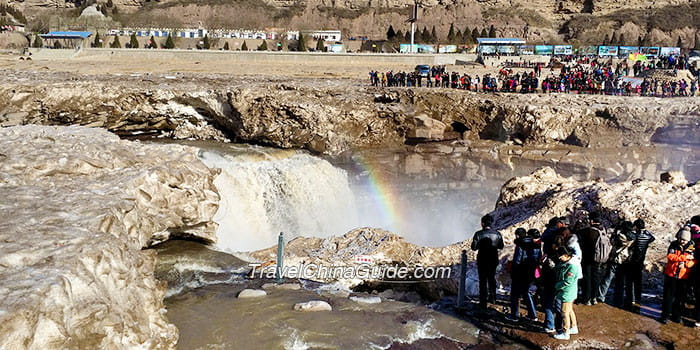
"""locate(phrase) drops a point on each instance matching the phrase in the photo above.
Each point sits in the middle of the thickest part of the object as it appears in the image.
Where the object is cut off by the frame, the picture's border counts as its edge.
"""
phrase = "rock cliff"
(79, 204)
(332, 116)
(530, 201)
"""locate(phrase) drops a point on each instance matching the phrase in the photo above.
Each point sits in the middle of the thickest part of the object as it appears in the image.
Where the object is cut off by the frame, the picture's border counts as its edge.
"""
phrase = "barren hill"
(658, 22)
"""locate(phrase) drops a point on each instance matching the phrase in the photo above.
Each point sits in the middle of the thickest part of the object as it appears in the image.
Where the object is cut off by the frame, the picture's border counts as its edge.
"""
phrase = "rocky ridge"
(332, 116)
(79, 204)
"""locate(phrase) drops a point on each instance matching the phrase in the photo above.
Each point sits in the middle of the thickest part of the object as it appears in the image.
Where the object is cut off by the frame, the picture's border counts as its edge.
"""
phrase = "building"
(326, 35)
(66, 39)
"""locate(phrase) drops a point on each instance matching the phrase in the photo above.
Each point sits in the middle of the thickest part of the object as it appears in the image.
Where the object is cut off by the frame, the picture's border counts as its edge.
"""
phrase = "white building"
(326, 35)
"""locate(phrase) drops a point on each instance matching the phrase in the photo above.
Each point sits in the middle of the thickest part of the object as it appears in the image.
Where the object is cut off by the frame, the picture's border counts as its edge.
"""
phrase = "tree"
(475, 34)
(207, 44)
(302, 43)
(679, 43)
(133, 42)
(97, 42)
(390, 34)
(433, 36)
(492, 32)
(170, 44)
(226, 47)
(451, 34)
(484, 33)
(588, 6)
(263, 46)
(622, 40)
(606, 40)
(646, 41)
(697, 40)
(640, 41)
(407, 36)
(57, 45)
(458, 37)
(116, 44)
(613, 40)
(38, 43)
(399, 36)
(244, 47)
(319, 45)
(425, 36)
(152, 43)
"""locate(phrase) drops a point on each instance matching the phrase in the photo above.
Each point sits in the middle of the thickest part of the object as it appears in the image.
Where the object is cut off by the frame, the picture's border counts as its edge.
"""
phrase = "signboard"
(487, 49)
(625, 51)
(447, 49)
(588, 50)
(607, 50)
(406, 48)
(563, 49)
(337, 48)
(544, 49)
(670, 51)
(506, 49)
(527, 50)
(650, 51)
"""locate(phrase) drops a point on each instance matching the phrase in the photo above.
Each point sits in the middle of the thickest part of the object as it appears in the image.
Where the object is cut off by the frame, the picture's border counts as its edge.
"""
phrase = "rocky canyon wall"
(79, 204)
(332, 116)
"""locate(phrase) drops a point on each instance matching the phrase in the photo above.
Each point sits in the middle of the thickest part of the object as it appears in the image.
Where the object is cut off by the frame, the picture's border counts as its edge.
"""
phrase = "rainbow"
(385, 196)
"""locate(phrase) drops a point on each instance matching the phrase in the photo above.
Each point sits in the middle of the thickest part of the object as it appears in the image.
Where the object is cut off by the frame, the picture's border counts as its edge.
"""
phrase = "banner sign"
(544, 49)
(607, 50)
(650, 51)
(563, 49)
(670, 51)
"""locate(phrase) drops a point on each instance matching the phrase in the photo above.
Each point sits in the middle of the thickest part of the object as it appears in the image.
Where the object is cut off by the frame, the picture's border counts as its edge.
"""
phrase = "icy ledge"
(78, 205)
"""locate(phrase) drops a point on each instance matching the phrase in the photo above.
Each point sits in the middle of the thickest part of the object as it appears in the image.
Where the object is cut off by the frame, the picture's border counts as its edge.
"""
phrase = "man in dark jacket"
(525, 260)
(592, 270)
(487, 242)
(636, 261)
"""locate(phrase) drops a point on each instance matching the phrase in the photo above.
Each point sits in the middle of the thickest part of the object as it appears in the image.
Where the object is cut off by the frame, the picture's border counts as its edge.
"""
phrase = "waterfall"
(265, 191)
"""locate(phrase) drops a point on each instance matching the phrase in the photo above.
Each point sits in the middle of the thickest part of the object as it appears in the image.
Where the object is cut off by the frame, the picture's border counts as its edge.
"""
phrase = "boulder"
(675, 178)
(313, 305)
(283, 286)
(366, 300)
(426, 128)
(251, 293)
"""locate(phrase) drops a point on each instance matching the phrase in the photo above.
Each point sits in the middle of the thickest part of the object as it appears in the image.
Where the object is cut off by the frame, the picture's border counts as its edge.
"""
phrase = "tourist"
(525, 259)
(487, 242)
(566, 289)
(636, 262)
(547, 278)
(695, 236)
(622, 244)
(621, 240)
(596, 250)
(680, 260)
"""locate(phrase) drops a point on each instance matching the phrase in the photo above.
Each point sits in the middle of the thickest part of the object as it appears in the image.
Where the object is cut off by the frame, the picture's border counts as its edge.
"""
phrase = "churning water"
(265, 191)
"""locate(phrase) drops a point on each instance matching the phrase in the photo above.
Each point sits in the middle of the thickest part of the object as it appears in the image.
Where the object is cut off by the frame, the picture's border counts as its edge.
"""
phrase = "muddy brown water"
(442, 187)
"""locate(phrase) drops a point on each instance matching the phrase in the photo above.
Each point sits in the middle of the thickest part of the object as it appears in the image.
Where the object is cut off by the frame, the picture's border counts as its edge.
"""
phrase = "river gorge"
(144, 239)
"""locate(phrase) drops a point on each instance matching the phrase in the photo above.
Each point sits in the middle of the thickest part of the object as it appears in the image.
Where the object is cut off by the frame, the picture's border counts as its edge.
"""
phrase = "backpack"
(603, 247)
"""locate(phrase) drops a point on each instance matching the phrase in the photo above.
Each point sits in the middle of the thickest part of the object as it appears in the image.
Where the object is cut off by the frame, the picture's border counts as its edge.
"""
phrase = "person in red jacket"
(680, 259)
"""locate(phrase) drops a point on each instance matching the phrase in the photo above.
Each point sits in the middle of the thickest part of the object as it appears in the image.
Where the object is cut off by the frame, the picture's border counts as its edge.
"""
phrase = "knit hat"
(684, 234)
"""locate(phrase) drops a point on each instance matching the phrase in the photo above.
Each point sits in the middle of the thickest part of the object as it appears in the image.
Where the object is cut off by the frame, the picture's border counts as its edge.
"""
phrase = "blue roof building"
(66, 35)
(67, 39)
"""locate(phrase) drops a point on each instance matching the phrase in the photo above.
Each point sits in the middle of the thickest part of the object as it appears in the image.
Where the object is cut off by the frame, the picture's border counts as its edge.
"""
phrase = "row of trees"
(466, 36)
(205, 44)
(644, 41)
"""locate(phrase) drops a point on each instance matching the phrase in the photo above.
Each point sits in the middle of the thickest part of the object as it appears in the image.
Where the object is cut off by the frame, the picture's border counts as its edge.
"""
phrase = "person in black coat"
(638, 253)
(487, 242)
(525, 260)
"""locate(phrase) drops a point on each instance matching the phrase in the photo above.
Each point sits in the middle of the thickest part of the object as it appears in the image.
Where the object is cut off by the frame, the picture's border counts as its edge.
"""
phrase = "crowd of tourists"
(583, 78)
(578, 264)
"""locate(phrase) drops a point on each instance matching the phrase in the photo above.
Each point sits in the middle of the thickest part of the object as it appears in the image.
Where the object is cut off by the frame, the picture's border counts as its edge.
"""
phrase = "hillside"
(659, 22)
